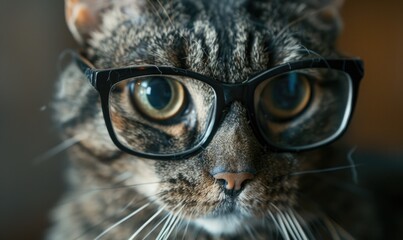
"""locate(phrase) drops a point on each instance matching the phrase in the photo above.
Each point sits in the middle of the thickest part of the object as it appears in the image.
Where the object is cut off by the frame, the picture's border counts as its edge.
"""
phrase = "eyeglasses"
(169, 113)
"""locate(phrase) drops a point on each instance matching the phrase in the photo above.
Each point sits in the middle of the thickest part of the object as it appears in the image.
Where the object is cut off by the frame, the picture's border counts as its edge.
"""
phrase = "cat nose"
(234, 181)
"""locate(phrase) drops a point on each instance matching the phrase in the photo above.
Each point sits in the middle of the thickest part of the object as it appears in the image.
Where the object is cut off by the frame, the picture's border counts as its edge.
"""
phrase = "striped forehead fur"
(218, 40)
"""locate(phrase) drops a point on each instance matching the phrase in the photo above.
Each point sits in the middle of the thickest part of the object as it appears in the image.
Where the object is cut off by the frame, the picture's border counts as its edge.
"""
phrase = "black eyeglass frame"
(104, 79)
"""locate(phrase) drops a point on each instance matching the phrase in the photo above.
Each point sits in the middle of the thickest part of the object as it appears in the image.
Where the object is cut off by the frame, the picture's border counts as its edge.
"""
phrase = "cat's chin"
(223, 225)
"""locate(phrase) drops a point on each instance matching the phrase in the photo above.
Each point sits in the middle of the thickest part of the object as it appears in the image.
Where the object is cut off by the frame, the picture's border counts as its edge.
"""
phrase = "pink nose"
(234, 181)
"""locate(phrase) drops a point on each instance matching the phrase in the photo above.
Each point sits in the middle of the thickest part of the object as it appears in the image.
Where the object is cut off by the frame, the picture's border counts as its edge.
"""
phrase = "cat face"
(234, 180)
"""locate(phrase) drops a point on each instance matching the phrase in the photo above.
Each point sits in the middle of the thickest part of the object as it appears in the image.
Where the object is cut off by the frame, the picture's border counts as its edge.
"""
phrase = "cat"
(232, 186)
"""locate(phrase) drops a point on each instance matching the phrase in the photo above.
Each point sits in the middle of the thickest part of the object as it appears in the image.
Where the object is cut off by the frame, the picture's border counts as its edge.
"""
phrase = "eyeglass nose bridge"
(241, 92)
(234, 92)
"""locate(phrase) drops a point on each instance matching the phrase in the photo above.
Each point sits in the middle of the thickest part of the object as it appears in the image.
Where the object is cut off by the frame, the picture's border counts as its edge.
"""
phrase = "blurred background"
(33, 34)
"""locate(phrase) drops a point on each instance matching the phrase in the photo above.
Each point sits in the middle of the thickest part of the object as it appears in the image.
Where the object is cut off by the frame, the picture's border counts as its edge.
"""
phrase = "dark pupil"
(158, 92)
(287, 92)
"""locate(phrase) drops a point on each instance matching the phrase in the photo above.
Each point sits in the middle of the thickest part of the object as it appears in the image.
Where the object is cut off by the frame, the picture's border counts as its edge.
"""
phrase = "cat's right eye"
(302, 107)
(157, 98)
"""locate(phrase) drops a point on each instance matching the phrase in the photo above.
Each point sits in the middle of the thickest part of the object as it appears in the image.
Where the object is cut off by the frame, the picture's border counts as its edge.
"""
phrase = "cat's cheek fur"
(140, 174)
(187, 184)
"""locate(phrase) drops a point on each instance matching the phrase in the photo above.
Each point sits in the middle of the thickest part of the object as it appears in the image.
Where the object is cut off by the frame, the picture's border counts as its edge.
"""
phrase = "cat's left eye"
(302, 107)
(285, 97)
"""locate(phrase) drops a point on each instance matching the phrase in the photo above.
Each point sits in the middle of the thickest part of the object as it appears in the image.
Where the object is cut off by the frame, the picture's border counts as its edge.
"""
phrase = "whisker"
(333, 169)
(319, 225)
(280, 222)
(119, 187)
(283, 228)
(156, 12)
(293, 225)
(84, 193)
(300, 19)
(179, 226)
(187, 226)
(305, 225)
(168, 222)
(127, 205)
(332, 229)
(66, 144)
(155, 227)
(166, 13)
(249, 231)
(122, 220)
(291, 214)
(342, 232)
(278, 228)
(146, 223)
(287, 225)
(353, 169)
(113, 215)
(177, 220)
(162, 232)
(311, 52)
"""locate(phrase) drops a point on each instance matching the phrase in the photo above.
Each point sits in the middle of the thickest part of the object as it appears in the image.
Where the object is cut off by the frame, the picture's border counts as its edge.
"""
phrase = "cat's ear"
(85, 16)
(327, 16)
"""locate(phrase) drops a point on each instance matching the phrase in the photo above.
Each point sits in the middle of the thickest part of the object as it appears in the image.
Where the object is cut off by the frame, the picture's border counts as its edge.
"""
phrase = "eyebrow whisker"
(325, 170)
(58, 149)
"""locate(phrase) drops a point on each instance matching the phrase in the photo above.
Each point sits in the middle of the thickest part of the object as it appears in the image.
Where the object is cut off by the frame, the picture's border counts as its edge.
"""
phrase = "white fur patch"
(227, 225)
(143, 177)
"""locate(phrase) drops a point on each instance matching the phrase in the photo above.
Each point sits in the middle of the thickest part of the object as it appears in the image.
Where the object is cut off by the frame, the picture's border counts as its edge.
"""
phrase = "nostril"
(245, 182)
(221, 182)
(233, 181)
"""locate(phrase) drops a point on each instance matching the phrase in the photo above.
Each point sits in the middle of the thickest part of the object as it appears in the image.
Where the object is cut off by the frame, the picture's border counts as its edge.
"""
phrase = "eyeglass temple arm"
(88, 69)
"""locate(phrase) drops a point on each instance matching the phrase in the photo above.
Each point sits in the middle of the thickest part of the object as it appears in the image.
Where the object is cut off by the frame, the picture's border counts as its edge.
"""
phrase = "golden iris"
(286, 96)
(158, 98)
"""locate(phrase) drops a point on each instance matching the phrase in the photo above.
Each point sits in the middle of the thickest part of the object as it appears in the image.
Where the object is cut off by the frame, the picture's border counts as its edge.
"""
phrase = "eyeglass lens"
(303, 107)
(161, 114)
